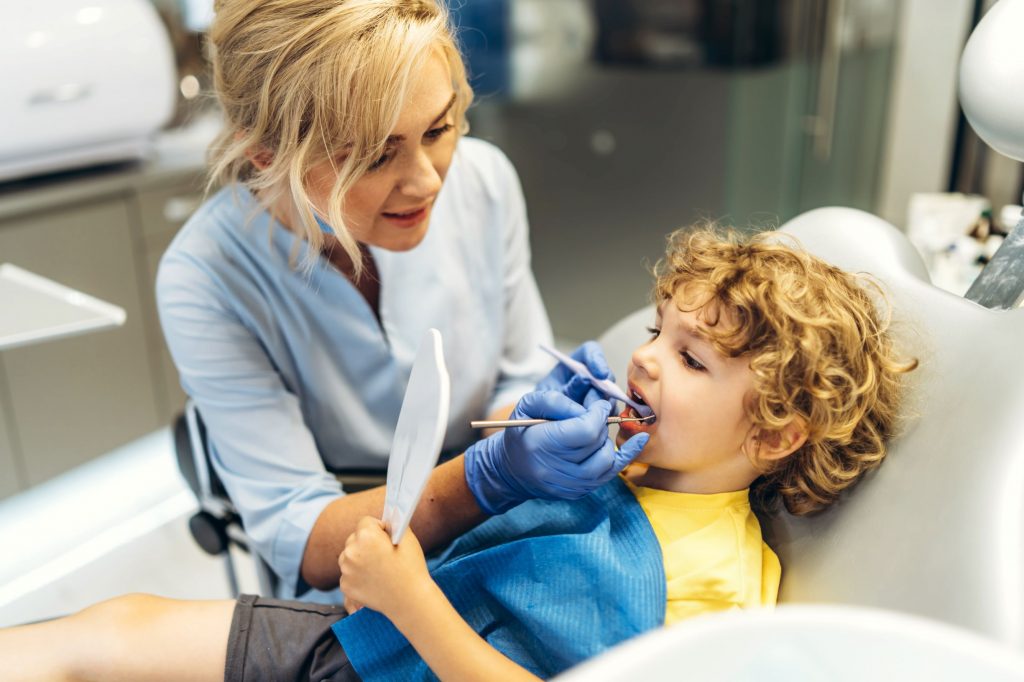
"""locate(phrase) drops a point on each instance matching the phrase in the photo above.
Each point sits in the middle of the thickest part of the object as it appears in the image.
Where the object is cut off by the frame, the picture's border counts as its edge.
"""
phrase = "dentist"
(351, 215)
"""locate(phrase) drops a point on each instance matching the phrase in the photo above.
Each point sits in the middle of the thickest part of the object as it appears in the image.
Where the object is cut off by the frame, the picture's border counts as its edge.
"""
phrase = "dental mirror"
(422, 423)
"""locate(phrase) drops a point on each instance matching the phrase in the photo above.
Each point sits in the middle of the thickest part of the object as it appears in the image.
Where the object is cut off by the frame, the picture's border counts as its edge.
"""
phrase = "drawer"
(164, 210)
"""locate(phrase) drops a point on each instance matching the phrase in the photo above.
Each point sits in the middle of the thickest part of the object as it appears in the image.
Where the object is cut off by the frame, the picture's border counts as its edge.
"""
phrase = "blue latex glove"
(565, 459)
(567, 382)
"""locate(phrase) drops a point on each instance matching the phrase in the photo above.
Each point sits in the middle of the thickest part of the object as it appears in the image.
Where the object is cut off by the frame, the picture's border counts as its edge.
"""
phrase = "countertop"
(175, 154)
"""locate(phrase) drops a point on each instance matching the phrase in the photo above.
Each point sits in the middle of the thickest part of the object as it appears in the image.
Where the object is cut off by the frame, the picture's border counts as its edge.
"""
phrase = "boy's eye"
(435, 133)
(654, 332)
(692, 362)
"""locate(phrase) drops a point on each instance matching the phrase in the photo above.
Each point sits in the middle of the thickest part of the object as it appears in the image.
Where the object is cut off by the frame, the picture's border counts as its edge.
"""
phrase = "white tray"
(35, 309)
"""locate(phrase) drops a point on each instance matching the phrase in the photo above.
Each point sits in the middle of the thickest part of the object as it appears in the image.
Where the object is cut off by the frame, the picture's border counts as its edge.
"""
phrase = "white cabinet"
(66, 401)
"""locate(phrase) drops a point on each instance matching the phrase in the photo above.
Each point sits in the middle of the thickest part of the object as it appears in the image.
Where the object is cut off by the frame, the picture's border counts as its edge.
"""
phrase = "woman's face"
(390, 205)
(698, 395)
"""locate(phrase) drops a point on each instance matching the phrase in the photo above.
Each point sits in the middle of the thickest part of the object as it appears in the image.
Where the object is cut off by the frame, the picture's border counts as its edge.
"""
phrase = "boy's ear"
(770, 447)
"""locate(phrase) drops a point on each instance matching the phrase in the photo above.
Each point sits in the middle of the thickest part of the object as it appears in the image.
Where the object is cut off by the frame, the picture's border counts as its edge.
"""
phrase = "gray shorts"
(272, 639)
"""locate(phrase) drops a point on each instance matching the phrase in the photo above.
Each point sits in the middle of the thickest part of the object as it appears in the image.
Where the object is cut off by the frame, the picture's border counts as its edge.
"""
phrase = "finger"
(593, 394)
(591, 355)
(630, 450)
(571, 439)
(369, 523)
(547, 405)
(578, 388)
(589, 472)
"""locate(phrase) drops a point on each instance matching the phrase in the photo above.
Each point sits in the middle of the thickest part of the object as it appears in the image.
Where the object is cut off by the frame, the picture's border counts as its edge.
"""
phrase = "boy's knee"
(107, 632)
(126, 611)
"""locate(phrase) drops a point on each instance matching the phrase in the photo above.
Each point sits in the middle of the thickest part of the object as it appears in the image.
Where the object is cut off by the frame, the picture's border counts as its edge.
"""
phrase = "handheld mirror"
(419, 434)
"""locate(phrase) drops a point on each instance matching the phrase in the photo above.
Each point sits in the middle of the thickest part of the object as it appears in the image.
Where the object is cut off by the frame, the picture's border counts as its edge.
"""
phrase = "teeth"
(636, 396)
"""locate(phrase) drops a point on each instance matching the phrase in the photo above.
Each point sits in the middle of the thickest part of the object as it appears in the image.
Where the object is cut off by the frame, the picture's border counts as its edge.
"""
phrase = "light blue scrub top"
(294, 375)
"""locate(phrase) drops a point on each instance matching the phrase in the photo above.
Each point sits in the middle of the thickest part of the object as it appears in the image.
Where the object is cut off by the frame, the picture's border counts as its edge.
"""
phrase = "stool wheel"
(209, 532)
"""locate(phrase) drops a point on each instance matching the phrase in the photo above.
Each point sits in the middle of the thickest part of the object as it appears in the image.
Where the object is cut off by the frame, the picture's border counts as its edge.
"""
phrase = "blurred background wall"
(628, 118)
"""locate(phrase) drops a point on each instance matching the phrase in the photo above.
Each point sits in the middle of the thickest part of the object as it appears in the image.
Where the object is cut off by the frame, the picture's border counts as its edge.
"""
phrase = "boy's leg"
(127, 638)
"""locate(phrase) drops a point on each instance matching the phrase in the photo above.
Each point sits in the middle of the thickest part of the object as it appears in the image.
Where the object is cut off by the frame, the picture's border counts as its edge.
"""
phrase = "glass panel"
(626, 119)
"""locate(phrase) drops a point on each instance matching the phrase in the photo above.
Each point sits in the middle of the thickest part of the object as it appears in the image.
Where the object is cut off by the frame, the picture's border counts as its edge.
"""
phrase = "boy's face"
(698, 394)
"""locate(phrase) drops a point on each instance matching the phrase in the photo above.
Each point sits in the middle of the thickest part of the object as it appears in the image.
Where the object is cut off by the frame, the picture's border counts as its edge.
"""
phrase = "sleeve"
(526, 325)
(260, 446)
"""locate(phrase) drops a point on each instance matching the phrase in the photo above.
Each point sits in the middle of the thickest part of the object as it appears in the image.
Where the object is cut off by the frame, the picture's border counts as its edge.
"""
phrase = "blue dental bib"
(549, 584)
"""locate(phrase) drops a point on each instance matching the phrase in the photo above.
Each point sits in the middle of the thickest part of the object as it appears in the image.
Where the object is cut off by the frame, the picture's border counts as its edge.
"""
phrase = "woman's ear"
(770, 447)
(260, 158)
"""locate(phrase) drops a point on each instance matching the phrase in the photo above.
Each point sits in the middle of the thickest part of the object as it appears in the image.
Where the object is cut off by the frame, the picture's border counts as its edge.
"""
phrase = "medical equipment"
(419, 434)
(992, 96)
(605, 386)
(85, 82)
(508, 423)
(991, 78)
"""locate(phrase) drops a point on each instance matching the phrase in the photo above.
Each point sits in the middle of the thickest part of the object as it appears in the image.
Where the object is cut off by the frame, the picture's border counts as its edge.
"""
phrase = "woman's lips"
(407, 218)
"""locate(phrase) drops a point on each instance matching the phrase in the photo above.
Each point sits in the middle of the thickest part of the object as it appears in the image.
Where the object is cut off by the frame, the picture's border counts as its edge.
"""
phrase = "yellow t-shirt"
(715, 558)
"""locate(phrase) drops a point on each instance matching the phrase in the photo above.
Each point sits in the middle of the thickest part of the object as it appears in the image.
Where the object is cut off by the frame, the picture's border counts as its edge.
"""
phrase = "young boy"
(773, 381)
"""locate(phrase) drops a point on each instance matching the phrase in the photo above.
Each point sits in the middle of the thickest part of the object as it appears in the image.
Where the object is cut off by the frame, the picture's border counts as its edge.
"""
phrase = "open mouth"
(648, 416)
(406, 215)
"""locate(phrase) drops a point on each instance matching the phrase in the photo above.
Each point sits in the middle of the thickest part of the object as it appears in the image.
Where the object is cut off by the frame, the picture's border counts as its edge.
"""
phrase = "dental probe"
(504, 424)
(606, 386)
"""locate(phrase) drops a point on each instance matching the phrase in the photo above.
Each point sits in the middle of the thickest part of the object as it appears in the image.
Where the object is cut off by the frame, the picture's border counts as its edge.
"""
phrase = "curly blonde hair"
(300, 80)
(819, 349)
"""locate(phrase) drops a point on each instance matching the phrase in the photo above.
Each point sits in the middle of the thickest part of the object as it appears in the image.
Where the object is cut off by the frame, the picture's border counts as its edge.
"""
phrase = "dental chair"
(217, 526)
(938, 530)
(918, 571)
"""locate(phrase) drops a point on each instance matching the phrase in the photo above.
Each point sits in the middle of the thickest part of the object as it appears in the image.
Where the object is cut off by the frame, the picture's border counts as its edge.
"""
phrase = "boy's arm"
(446, 510)
(449, 646)
(394, 581)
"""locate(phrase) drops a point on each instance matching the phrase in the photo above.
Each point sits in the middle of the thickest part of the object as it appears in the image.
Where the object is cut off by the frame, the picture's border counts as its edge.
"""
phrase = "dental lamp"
(992, 79)
(992, 97)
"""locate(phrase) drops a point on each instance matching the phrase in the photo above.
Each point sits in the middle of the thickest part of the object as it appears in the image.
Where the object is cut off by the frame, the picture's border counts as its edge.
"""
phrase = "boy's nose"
(644, 360)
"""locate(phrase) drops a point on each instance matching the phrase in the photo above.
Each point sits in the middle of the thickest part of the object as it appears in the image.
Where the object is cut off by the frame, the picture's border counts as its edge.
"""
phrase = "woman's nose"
(423, 179)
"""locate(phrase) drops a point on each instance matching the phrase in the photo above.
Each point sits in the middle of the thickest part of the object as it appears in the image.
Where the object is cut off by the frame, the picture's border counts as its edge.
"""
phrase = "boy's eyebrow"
(697, 332)
(392, 139)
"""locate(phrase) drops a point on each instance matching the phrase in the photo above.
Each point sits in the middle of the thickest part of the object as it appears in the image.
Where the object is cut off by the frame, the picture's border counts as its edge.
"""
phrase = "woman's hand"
(564, 459)
(375, 573)
(568, 383)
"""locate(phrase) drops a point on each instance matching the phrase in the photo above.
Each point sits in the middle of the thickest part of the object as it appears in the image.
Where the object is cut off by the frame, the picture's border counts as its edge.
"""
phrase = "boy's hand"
(375, 573)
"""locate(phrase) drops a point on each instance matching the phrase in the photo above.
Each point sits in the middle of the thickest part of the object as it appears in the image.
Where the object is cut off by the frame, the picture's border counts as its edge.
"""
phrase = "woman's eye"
(654, 332)
(435, 133)
(385, 157)
(692, 362)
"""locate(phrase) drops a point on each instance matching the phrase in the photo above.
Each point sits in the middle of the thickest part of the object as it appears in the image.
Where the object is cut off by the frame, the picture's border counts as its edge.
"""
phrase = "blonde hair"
(301, 80)
(818, 347)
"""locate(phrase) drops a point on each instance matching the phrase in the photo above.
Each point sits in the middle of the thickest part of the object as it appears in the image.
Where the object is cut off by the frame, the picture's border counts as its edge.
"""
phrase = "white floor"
(116, 525)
